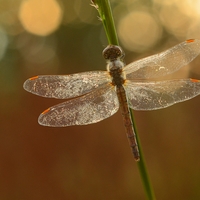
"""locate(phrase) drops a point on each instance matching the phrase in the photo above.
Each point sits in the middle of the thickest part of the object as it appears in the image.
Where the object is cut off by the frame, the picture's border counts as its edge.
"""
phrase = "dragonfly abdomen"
(121, 94)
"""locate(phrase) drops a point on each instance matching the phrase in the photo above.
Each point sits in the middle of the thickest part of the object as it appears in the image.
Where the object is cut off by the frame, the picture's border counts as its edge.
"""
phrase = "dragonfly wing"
(66, 86)
(160, 94)
(90, 108)
(163, 63)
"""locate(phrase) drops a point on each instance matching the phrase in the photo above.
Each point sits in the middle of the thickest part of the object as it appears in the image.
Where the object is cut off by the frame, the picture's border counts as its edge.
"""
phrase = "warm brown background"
(92, 162)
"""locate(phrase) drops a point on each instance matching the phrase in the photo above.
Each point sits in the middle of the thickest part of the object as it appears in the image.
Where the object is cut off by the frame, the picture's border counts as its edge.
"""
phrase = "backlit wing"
(90, 108)
(163, 63)
(160, 94)
(66, 86)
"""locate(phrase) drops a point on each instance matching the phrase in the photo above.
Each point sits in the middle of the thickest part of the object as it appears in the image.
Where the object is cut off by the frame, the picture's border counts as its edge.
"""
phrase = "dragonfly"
(96, 95)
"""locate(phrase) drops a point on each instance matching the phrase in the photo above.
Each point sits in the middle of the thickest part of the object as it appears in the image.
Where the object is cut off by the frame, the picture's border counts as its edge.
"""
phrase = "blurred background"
(94, 161)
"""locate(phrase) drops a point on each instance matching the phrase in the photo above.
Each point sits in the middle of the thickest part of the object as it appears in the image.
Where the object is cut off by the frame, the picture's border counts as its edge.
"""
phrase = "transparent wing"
(66, 86)
(90, 108)
(160, 94)
(163, 63)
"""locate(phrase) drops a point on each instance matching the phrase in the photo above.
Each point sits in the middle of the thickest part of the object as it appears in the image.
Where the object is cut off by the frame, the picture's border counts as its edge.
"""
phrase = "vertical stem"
(142, 167)
(105, 13)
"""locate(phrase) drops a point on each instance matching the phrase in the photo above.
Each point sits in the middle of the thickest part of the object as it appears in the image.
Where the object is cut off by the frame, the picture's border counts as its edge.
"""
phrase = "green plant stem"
(142, 167)
(105, 13)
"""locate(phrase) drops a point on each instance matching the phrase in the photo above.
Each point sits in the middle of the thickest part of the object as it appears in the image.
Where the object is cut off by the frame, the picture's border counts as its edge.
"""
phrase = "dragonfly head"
(113, 52)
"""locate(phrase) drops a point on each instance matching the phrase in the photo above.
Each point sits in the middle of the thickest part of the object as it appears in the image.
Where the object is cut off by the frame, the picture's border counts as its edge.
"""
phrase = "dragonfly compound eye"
(113, 52)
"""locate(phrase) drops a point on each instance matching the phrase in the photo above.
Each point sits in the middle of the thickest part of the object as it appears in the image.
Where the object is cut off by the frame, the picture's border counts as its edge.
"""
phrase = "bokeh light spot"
(139, 31)
(40, 17)
(177, 22)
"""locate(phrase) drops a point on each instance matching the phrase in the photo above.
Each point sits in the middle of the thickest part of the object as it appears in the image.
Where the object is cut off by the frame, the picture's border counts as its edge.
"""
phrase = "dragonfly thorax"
(115, 69)
(114, 57)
